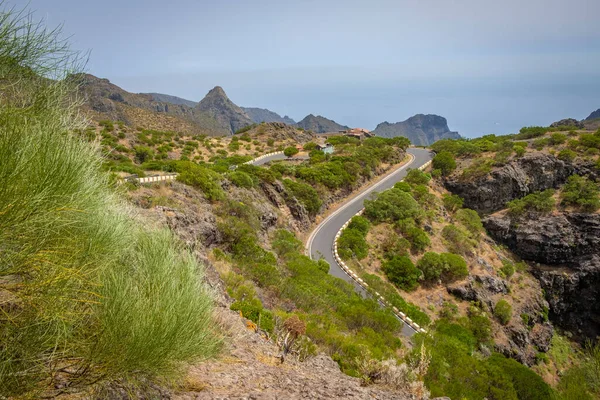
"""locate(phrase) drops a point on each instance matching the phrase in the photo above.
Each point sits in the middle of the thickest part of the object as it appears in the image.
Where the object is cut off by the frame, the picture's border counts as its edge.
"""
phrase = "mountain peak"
(229, 115)
(217, 91)
(421, 129)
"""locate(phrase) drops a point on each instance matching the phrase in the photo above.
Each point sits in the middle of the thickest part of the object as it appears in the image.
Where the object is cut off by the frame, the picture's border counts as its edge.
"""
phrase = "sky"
(487, 66)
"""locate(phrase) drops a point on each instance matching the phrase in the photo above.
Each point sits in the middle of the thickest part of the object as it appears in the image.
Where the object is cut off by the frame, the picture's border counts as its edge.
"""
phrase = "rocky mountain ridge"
(229, 115)
(259, 115)
(320, 124)
(422, 130)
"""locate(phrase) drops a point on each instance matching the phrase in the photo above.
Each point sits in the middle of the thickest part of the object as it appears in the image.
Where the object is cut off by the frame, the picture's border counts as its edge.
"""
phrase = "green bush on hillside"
(503, 311)
(541, 202)
(290, 151)
(581, 192)
(96, 292)
(417, 177)
(445, 162)
(457, 240)
(452, 202)
(402, 272)
(200, 177)
(306, 194)
(470, 220)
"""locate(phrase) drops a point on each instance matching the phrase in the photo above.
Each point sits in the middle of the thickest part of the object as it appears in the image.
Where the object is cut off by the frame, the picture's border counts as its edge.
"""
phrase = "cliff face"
(319, 124)
(228, 115)
(531, 173)
(422, 130)
(568, 244)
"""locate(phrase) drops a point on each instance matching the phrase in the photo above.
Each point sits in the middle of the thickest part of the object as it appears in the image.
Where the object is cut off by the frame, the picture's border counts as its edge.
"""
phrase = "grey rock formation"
(567, 122)
(593, 115)
(319, 124)
(568, 244)
(259, 115)
(422, 130)
(228, 115)
(530, 173)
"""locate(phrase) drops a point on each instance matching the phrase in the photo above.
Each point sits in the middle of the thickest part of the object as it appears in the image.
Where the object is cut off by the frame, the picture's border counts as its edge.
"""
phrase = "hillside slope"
(422, 130)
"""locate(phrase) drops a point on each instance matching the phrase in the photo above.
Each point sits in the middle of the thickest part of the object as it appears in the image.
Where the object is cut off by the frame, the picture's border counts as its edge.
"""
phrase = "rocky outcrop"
(228, 115)
(593, 115)
(567, 122)
(567, 245)
(522, 338)
(422, 130)
(531, 173)
(548, 239)
(319, 124)
(259, 115)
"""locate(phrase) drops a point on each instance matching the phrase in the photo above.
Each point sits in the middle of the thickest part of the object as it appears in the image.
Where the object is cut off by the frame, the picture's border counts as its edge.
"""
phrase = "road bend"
(320, 241)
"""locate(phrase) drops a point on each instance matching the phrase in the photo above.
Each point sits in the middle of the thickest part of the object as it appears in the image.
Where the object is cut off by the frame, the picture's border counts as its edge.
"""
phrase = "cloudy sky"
(487, 66)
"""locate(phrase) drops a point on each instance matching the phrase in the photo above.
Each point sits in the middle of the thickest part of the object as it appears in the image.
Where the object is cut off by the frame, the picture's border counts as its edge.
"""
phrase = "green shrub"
(306, 194)
(96, 290)
(445, 162)
(394, 245)
(455, 267)
(285, 242)
(290, 151)
(169, 324)
(360, 223)
(478, 169)
(431, 266)
(392, 205)
(418, 239)
(531, 132)
(540, 143)
(143, 154)
(310, 146)
(519, 151)
(352, 243)
(503, 311)
(558, 138)
(567, 155)
(582, 193)
(245, 129)
(457, 240)
(200, 177)
(402, 272)
(470, 220)
(507, 269)
(541, 202)
(417, 177)
(242, 179)
(452, 202)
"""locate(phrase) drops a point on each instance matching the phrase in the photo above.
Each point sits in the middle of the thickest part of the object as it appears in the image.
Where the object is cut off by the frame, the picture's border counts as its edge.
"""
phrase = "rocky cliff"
(259, 115)
(422, 130)
(593, 115)
(530, 173)
(567, 245)
(229, 116)
(319, 124)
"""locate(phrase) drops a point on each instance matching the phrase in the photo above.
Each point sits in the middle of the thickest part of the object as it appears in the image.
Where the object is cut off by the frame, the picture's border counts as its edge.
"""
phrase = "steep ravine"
(562, 248)
(565, 248)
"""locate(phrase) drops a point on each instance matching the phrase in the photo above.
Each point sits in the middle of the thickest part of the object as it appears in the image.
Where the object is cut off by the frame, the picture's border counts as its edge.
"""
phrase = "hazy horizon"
(486, 67)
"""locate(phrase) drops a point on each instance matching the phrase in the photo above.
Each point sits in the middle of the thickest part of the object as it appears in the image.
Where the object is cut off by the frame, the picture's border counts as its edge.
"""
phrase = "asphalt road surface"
(320, 243)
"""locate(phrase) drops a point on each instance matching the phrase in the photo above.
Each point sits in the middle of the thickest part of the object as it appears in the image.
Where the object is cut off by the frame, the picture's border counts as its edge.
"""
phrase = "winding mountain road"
(320, 242)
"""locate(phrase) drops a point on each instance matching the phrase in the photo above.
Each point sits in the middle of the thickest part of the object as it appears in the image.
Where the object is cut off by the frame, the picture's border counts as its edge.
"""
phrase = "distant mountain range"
(217, 115)
(422, 130)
